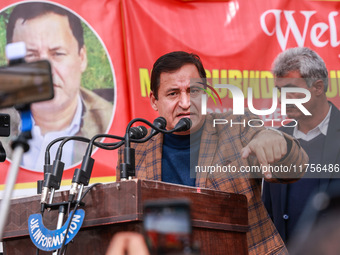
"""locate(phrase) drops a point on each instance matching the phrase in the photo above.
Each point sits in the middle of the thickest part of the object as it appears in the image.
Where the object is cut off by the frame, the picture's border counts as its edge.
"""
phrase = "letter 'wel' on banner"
(50, 240)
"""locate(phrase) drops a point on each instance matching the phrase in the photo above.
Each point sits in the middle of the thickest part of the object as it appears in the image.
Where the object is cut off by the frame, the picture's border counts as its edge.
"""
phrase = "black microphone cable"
(127, 169)
(53, 173)
(82, 175)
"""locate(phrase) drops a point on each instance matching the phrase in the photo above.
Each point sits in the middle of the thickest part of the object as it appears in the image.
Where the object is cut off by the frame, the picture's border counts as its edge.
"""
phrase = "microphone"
(183, 124)
(52, 180)
(138, 132)
(158, 125)
(53, 173)
(159, 122)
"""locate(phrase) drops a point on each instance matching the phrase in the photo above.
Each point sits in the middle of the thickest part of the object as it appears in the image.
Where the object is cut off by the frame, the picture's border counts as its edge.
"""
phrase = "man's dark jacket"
(275, 195)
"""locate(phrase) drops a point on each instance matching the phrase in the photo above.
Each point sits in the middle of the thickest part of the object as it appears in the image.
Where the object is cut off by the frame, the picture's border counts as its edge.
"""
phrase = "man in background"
(318, 134)
(52, 33)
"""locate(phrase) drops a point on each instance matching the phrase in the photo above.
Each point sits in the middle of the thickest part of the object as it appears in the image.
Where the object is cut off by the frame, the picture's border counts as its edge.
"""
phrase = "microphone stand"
(127, 169)
(19, 146)
(61, 214)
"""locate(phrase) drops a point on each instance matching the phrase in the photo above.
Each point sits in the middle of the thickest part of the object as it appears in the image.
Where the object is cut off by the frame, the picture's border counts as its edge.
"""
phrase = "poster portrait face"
(82, 72)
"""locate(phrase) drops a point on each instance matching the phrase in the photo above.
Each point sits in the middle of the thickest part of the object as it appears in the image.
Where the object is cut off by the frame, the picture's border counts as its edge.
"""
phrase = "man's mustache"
(291, 106)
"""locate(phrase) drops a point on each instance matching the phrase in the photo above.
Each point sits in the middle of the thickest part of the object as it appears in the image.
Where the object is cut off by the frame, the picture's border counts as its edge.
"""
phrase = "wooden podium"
(220, 220)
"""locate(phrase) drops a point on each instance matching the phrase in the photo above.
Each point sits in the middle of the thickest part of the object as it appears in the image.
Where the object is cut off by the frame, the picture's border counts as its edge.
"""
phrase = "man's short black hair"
(31, 10)
(171, 62)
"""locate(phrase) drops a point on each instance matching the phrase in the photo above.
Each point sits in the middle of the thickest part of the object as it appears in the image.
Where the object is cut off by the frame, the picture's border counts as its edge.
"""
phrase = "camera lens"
(6, 119)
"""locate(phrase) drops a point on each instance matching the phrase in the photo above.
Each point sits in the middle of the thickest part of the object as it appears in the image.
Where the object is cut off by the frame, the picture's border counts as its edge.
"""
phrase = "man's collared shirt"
(319, 129)
(39, 143)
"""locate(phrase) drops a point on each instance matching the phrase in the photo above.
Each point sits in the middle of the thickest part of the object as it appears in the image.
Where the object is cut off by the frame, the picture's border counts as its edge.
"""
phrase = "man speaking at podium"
(168, 157)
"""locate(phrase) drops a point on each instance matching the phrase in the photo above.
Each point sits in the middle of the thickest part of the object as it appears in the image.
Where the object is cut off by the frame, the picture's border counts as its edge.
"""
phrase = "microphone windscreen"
(183, 124)
(159, 122)
(138, 132)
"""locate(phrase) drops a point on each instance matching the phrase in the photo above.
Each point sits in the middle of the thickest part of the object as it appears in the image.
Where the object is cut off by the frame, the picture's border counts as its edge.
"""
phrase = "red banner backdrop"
(236, 40)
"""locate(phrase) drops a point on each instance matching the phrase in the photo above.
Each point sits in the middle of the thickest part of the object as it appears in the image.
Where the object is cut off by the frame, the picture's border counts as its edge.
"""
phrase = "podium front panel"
(219, 219)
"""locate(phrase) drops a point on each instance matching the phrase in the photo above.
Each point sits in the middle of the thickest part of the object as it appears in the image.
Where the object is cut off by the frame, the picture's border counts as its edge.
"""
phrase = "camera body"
(5, 124)
(24, 83)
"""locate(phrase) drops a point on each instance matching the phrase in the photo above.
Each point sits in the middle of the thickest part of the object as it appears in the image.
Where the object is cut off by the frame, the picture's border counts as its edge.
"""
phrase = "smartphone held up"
(167, 227)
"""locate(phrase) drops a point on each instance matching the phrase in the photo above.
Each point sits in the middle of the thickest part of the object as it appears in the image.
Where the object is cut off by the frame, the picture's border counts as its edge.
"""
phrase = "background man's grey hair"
(302, 59)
